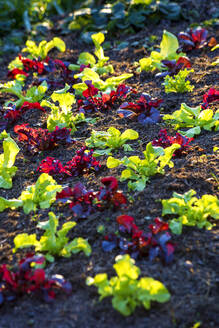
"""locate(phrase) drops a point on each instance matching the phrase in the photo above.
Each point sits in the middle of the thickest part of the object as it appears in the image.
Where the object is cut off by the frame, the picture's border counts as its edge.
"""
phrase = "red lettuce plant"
(145, 109)
(33, 65)
(83, 202)
(165, 141)
(82, 162)
(41, 139)
(173, 67)
(12, 114)
(98, 101)
(193, 39)
(209, 97)
(16, 71)
(27, 280)
(135, 242)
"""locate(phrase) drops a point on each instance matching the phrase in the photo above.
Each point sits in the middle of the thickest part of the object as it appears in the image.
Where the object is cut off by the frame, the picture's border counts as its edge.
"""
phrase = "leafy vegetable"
(145, 109)
(178, 83)
(135, 242)
(125, 288)
(211, 96)
(193, 39)
(43, 48)
(190, 210)
(27, 280)
(7, 159)
(41, 139)
(53, 242)
(106, 142)
(168, 51)
(82, 162)
(139, 170)
(34, 94)
(194, 118)
(165, 141)
(174, 66)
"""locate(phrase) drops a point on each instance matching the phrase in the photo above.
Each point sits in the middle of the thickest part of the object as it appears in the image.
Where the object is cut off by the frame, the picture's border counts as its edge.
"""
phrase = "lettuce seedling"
(126, 290)
(34, 94)
(178, 83)
(145, 110)
(112, 139)
(85, 58)
(174, 66)
(83, 162)
(168, 51)
(211, 96)
(41, 51)
(89, 75)
(29, 278)
(7, 159)
(165, 141)
(139, 170)
(190, 211)
(98, 101)
(194, 118)
(39, 139)
(137, 243)
(53, 242)
(193, 39)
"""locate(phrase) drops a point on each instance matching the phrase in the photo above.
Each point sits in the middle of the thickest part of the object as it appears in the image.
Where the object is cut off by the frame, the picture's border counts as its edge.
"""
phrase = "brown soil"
(191, 278)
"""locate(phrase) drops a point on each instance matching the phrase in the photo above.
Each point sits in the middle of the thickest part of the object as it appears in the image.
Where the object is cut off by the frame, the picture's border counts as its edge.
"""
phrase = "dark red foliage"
(82, 162)
(27, 280)
(165, 141)
(16, 71)
(33, 65)
(173, 67)
(12, 114)
(83, 202)
(135, 242)
(41, 139)
(193, 39)
(145, 109)
(209, 97)
(98, 101)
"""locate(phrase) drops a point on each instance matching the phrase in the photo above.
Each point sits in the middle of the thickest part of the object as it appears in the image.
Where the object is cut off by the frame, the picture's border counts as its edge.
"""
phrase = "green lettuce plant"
(168, 51)
(178, 83)
(126, 290)
(53, 242)
(85, 58)
(42, 194)
(106, 141)
(7, 159)
(139, 170)
(107, 86)
(33, 94)
(41, 51)
(194, 118)
(62, 115)
(190, 211)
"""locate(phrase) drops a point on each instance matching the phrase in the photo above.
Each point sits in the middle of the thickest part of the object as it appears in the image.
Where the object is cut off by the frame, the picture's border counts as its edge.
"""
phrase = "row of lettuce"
(93, 95)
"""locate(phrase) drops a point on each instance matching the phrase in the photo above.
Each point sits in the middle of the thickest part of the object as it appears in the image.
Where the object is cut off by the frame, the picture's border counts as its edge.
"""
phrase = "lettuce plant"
(89, 75)
(145, 109)
(190, 210)
(61, 115)
(168, 51)
(29, 278)
(126, 290)
(193, 39)
(137, 243)
(194, 118)
(112, 139)
(7, 159)
(33, 94)
(53, 242)
(165, 141)
(41, 51)
(98, 101)
(174, 66)
(211, 96)
(178, 83)
(85, 58)
(39, 139)
(139, 170)
(83, 162)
